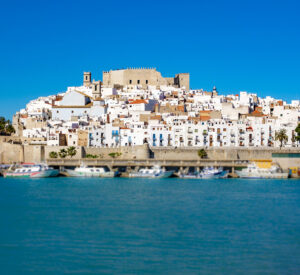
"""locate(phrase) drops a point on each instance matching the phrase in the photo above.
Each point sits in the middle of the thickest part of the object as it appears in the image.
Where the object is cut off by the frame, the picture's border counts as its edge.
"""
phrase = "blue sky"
(236, 45)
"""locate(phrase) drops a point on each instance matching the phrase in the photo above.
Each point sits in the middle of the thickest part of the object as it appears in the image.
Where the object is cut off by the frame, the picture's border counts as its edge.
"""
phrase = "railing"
(145, 162)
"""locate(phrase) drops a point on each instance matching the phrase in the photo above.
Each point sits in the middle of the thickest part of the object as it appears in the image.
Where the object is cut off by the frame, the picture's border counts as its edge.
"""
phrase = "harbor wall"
(10, 153)
(219, 153)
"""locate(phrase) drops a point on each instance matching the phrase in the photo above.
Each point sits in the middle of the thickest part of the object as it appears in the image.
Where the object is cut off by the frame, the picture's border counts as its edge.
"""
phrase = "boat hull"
(165, 174)
(219, 175)
(77, 174)
(246, 175)
(39, 174)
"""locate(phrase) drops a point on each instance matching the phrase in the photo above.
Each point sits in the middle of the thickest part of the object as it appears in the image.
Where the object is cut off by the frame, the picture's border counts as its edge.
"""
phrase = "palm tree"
(202, 153)
(71, 151)
(63, 153)
(281, 136)
(53, 155)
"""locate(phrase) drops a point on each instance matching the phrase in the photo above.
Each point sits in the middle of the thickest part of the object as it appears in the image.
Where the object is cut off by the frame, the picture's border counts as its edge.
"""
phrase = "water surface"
(166, 226)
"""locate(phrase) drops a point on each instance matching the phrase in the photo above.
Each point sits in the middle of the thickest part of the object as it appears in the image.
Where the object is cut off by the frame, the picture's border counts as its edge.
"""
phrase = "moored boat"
(257, 170)
(30, 170)
(154, 172)
(84, 171)
(207, 173)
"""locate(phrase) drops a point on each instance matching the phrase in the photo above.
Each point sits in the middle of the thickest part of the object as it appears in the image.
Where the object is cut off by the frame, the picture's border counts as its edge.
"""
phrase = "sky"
(45, 46)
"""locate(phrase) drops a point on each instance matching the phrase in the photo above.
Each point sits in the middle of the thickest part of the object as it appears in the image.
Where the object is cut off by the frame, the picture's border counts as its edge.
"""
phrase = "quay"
(136, 163)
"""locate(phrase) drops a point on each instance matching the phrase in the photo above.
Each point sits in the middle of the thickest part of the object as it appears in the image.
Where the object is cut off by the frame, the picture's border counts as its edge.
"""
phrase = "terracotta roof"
(157, 117)
(139, 101)
(180, 108)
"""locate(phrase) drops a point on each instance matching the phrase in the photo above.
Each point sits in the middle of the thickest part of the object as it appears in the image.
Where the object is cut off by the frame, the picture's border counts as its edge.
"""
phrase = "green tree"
(297, 130)
(2, 124)
(281, 136)
(202, 153)
(53, 155)
(62, 153)
(5, 127)
(71, 151)
(10, 129)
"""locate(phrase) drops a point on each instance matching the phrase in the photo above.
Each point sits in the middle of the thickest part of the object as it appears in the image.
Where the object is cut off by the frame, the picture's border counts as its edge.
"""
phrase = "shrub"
(115, 154)
(202, 153)
(90, 156)
(53, 155)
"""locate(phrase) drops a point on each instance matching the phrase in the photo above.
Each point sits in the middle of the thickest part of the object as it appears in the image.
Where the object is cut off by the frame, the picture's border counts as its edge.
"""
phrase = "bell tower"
(87, 76)
(96, 89)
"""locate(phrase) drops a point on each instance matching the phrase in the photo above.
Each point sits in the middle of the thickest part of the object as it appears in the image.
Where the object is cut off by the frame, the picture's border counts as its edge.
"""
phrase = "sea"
(149, 226)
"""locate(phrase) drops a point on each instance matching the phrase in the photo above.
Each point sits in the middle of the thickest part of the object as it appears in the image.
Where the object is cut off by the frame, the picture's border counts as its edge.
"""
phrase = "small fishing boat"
(97, 172)
(30, 170)
(154, 172)
(207, 173)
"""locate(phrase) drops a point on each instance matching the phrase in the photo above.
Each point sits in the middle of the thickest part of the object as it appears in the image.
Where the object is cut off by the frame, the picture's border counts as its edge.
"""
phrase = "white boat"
(254, 171)
(207, 173)
(84, 171)
(30, 170)
(154, 172)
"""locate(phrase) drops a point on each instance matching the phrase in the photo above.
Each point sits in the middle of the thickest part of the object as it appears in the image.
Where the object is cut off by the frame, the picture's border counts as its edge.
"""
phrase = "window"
(138, 82)
(130, 81)
(146, 81)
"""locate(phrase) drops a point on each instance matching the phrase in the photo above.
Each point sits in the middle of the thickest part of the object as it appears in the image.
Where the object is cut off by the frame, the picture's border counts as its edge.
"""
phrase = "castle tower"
(87, 76)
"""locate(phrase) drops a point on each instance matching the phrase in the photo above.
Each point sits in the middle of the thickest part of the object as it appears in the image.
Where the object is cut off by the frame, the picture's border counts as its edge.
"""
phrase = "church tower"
(87, 76)
(96, 89)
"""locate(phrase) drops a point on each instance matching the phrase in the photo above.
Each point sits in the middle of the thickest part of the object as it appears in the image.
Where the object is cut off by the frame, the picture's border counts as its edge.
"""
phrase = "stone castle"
(144, 77)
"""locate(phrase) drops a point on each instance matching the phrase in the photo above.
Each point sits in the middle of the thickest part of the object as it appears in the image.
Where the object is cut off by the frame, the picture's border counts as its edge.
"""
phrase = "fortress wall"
(33, 153)
(10, 153)
(218, 153)
(151, 76)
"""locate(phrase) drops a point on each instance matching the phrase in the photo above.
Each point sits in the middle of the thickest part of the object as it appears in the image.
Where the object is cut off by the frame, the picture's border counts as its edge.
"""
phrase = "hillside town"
(133, 107)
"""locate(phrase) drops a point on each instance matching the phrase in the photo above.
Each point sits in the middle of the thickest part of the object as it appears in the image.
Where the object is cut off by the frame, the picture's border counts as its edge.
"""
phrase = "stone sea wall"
(10, 153)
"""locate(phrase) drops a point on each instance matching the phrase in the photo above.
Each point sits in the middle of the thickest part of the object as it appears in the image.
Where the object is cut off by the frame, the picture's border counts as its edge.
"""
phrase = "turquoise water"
(167, 226)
